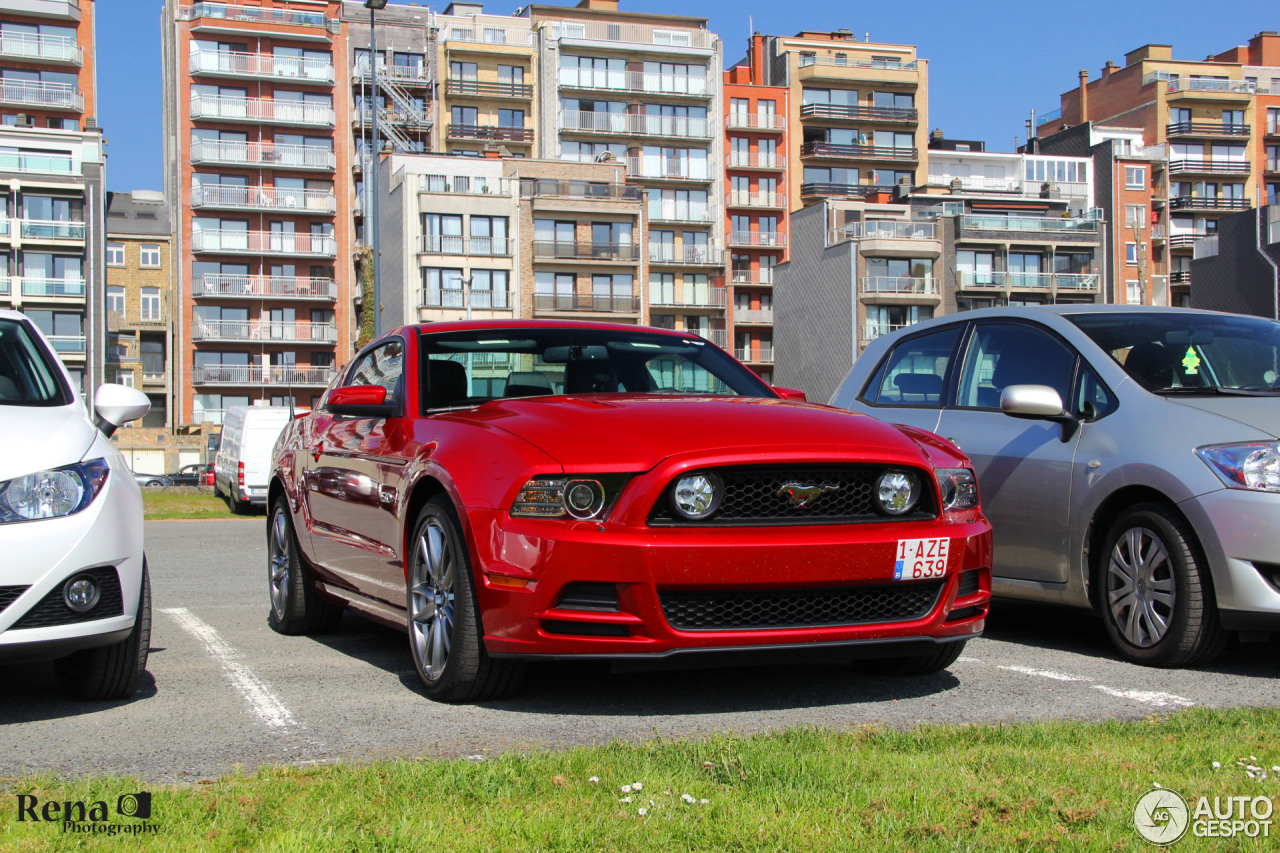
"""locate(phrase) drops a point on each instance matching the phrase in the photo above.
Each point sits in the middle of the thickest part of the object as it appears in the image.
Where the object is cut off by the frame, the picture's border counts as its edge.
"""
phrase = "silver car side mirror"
(1031, 401)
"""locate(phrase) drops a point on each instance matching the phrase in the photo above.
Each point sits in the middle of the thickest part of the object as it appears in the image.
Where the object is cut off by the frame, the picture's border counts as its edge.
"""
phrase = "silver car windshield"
(28, 376)
(1190, 353)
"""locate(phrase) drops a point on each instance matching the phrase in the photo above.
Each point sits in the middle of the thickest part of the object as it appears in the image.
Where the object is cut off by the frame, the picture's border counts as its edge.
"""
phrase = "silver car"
(1127, 458)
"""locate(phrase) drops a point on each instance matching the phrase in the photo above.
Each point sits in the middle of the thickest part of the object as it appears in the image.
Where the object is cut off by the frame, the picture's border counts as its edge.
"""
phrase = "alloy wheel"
(1141, 588)
(278, 560)
(431, 598)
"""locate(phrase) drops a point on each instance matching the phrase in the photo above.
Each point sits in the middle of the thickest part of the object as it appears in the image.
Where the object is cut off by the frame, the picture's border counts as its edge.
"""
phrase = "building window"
(1135, 216)
(1135, 177)
(150, 303)
(150, 255)
(115, 254)
(1131, 253)
(152, 358)
(1133, 292)
(115, 299)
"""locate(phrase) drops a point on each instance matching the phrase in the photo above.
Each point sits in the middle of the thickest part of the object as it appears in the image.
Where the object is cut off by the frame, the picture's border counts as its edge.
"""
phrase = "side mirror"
(1031, 401)
(790, 393)
(116, 405)
(361, 401)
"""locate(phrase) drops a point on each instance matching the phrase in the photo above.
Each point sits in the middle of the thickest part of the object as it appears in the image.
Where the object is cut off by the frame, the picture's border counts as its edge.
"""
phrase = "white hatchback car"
(73, 581)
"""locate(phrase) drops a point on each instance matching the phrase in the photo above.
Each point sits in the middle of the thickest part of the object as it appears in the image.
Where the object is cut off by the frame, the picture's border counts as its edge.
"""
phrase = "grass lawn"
(1050, 786)
(182, 502)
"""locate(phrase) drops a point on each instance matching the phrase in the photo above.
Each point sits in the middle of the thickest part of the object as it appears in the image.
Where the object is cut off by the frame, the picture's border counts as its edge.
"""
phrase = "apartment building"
(256, 160)
(487, 68)
(1237, 268)
(139, 299)
(51, 174)
(1209, 145)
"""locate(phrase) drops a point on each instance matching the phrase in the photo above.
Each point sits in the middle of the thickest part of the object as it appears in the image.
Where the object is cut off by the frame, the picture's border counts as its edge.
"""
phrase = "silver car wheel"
(278, 559)
(1141, 586)
(431, 596)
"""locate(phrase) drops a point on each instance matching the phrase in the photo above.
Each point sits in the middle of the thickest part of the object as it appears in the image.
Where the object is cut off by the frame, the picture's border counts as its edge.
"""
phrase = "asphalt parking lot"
(224, 692)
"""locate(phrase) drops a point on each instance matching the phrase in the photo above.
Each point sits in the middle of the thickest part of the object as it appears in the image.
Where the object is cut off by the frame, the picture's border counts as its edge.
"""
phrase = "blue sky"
(990, 63)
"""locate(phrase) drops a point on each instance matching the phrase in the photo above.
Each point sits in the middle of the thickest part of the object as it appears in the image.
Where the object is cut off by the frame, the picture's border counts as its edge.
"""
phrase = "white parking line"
(1154, 698)
(264, 703)
(1043, 673)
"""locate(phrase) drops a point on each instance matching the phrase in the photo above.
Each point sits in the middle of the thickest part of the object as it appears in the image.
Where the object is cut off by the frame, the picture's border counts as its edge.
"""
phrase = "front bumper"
(40, 556)
(641, 565)
(1237, 530)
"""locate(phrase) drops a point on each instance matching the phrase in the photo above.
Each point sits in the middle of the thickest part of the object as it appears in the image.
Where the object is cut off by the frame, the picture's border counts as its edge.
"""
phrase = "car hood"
(35, 438)
(626, 432)
(1261, 413)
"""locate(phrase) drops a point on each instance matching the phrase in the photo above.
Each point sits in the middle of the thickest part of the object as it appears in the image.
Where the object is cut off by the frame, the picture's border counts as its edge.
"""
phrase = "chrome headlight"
(53, 493)
(577, 497)
(697, 496)
(959, 488)
(1253, 465)
(896, 492)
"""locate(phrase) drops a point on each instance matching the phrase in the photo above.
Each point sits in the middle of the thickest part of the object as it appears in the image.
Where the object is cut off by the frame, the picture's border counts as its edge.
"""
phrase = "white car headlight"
(1253, 465)
(53, 493)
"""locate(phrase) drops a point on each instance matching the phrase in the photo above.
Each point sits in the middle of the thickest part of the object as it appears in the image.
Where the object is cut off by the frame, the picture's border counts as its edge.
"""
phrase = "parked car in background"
(515, 491)
(243, 463)
(1127, 458)
(190, 475)
(73, 582)
(150, 481)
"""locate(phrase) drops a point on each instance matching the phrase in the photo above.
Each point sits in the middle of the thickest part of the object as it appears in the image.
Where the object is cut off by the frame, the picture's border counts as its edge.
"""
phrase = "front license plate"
(921, 559)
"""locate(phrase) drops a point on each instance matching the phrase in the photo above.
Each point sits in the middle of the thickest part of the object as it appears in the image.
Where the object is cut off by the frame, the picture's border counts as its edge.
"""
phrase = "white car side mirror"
(1031, 401)
(116, 405)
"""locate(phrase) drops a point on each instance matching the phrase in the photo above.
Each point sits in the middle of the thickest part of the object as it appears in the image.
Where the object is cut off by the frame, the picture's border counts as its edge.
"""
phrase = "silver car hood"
(1261, 413)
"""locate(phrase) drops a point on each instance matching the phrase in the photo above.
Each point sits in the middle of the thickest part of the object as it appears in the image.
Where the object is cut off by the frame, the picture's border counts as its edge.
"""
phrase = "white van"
(242, 468)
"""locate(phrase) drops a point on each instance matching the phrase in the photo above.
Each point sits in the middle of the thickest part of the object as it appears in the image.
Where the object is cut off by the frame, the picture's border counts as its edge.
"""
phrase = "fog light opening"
(81, 594)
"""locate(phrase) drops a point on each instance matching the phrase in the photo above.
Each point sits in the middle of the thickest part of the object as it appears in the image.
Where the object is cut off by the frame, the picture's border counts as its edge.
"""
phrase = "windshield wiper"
(1192, 391)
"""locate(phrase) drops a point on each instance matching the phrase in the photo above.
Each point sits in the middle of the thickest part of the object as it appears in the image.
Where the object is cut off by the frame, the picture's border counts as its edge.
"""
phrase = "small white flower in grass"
(642, 812)
(626, 789)
(636, 786)
(594, 779)
(1275, 769)
(1156, 785)
(686, 798)
(625, 800)
(1253, 758)
(1217, 765)
(703, 802)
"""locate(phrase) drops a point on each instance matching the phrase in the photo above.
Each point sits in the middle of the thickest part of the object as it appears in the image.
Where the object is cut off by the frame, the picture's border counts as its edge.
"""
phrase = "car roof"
(10, 314)
(480, 325)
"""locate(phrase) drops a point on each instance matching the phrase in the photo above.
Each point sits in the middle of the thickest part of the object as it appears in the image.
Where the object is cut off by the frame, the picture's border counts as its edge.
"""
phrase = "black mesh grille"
(9, 594)
(757, 496)
(727, 610)
(968, 584)
(52, 610)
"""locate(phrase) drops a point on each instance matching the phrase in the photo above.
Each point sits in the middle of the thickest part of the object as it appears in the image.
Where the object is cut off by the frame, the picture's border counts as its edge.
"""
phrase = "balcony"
(264, 155)
(753, 316)
(856, 113)
(481, 131)
(545, 187)
(230, 286)
(1180, 277)
(634, 124)
(759, 239)
(566, 250)
(871, 331)
(857, 152)
(638, 82)
(846, 69)
(1209, 167)
(690, 296)
(686, 214)
(53, 287)
(586, 303)
(392, 114)
(4, 285)
(262, 111)
(233, 331)
(739, 198)
(1243, 87)
(760, 355)
(481, 300)
(752, 278)
(464, 185)
(752, 160)
(1189, 202)
(1041, 281)
(411, 76)
(901, 285)
(49, 229)
(842, 190)
(660, 169)
(243, 374)
(49, 96)
(486, 33)
(68, 344)
(630, 37)
(273, 199)
(884, 229)
(662, 253)
(484, 89)
(1185, 239)
(999, 222)
(281, 13)
(758, 123)
(293, 69)
(45, 164)
(1205, 128)
(228, 242)
(448, 244)
(40, 48)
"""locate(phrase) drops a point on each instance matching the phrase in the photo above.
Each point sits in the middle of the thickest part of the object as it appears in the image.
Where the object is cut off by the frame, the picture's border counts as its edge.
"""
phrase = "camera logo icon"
(134, 805)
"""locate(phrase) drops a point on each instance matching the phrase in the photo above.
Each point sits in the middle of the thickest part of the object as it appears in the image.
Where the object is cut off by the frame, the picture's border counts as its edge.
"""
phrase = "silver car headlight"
(1252, 465)
(54, 493)
(959, 488)
(896, 492)
(583, 498)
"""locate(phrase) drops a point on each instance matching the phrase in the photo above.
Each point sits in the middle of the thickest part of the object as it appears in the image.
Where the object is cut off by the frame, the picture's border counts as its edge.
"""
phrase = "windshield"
(476, 366)
(1190, 353)
(28, 376)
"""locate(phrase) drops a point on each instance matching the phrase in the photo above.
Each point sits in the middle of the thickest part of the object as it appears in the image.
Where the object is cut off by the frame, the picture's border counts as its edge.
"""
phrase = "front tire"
(115, 671)
(445, 634)
(296, 607)
(1157, 597)
(926, 664)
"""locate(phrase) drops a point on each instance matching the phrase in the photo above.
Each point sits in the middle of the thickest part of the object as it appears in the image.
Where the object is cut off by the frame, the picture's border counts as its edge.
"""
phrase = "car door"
(911, 383)
(1024, 467)
(352, 502)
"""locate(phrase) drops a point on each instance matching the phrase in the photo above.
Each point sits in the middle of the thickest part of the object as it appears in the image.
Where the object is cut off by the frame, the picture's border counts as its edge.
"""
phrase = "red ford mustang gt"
(522, 490)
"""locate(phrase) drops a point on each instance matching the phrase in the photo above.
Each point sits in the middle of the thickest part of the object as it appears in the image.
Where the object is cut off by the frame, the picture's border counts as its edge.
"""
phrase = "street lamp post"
(373, 6)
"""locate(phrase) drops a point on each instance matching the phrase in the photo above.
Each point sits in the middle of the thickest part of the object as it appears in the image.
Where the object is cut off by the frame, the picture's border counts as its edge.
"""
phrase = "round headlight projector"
(81, 594)
(697, 496)
(583, 498)
(896, 492)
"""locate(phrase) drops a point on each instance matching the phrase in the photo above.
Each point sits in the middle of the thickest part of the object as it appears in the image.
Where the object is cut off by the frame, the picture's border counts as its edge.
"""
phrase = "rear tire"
(115, 671)
(233, 501)
(445, 632)
(927, 664)
(296, 607)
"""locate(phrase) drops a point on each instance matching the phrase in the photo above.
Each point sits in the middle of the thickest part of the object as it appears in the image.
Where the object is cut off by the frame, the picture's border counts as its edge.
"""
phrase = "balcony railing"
(236, 64)
(481, 131)
(545, 187)
(742, 198)
(49, 229)
(835, 62)
(4, 285)
(231, 286)
(1180, 277)
(1185, 239)
(264, 154)
(768, 239)
(1212, 165)
(60, 96)
(263, 198)
(747, 121)
(750, 160)
(858, 152)
(51, 164)
(762, 355)
(1205, 128)
(661, 253)
(481, 300)
(41, 47)
(281, 13)
(283, 377)
(691, 296)
(1075, 281)
(586, 251)
(981, 222)
(634, 81)
(405, 75)
(586, 302)
(655, 168)
(1190, 202)
(850, 111)
(871, 331)
(299, 331)
(752, 278)
(1001, 279)
(635, 124)
(901, 284)
(485, 33)
(265, 110)
(464, 185)
(52, 286)
(753, 315)
(449, 244)
(696, 213)
(486, 89)
(68, 344)
(609, 34)
(883, 229)
(842, 190)
(1247, 87)
(228, 242)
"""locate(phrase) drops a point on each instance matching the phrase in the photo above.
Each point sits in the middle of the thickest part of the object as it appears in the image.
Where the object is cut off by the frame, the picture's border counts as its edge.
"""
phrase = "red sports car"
(523, 490)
